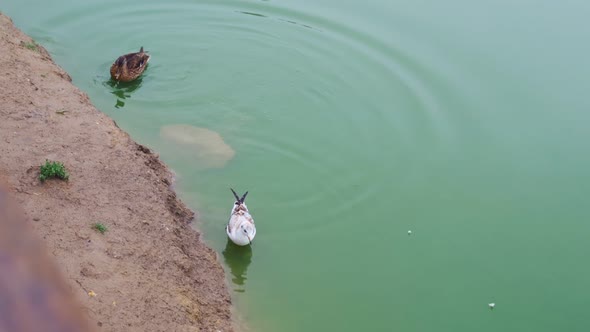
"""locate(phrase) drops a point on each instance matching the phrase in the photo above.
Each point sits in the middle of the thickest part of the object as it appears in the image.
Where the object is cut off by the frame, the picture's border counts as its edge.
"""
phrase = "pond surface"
(352, 123)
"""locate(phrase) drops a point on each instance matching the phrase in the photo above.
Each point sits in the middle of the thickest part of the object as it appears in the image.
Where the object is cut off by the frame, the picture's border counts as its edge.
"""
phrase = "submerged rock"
(206, 147)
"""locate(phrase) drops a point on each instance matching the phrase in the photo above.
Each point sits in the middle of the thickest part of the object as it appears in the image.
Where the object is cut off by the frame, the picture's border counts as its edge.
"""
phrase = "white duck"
(240, 228)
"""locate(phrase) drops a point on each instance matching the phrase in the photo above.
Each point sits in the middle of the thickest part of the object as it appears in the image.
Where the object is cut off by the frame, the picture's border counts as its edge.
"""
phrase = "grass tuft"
(33, 46)
(100, 227)
(53, 169)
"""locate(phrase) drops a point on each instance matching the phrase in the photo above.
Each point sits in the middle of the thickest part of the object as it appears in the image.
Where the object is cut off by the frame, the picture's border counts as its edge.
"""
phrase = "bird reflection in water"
(123, 90)
(238, 259)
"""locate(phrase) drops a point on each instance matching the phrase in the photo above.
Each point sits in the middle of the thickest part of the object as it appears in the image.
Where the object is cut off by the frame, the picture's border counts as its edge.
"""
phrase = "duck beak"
(249, 239)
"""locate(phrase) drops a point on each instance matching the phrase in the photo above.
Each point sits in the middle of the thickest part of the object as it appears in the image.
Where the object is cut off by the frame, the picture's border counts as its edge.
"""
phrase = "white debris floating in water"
(409, 232)
(491, 305)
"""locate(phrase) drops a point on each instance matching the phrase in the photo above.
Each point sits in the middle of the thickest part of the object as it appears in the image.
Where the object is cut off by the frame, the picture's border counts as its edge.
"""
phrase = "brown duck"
(129, 66)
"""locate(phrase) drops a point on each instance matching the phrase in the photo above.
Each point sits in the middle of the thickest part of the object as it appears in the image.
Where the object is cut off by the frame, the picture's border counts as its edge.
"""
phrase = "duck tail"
(243, 198)
(235, 195)
(238, 199)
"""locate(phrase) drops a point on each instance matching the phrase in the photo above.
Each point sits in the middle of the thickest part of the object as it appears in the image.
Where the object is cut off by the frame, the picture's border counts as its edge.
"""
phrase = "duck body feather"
(240, 228)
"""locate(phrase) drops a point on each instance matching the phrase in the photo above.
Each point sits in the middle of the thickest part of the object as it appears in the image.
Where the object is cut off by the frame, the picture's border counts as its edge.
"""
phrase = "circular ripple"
(220, 64)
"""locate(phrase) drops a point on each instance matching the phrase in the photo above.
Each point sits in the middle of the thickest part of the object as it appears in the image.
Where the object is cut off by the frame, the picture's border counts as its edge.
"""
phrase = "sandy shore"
(150, 271)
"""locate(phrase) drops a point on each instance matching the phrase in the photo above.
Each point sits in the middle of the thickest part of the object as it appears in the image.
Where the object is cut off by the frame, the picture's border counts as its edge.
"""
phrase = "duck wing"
(136, 60)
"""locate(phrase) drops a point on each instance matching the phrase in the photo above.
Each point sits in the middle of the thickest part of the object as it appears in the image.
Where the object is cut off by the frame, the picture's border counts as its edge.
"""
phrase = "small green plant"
(53, 169)
(31, 46)
(99, 227)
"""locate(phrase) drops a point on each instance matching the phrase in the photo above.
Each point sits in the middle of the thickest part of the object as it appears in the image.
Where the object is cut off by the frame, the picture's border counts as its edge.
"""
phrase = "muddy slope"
(150, 271)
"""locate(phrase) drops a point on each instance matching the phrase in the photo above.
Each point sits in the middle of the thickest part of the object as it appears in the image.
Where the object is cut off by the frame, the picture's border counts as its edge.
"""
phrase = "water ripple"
(222, 62)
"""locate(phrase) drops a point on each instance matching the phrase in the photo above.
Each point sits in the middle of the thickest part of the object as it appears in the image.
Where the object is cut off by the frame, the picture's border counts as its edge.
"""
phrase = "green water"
(351, 123)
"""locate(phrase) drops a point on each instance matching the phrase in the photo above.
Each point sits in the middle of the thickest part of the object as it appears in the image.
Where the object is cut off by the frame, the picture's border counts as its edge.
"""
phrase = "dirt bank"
(150, 271)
